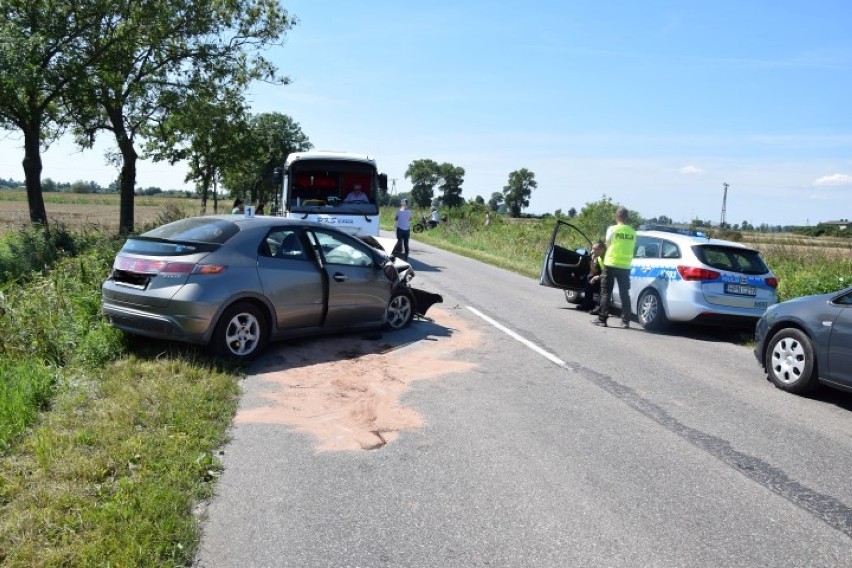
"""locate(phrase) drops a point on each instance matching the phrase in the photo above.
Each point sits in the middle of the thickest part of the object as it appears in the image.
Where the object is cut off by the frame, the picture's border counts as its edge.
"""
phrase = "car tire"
(241, 332)
(400, 310)
(573, 296)
(417, 228)
(790, 361)
(650, 312)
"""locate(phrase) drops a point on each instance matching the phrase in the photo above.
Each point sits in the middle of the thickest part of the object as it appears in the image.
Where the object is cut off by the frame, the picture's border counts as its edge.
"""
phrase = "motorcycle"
(426, 223)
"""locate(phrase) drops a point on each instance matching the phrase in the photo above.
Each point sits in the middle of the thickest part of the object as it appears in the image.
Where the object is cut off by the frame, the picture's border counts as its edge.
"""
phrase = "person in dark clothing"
(592, 283)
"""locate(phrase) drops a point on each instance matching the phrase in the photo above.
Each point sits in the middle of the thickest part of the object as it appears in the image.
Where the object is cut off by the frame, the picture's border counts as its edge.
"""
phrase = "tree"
(268, 140)
(452, 178)
(517, 192)
(208, 132)
(596, 216)
(496, 201)
(154, 54)
(572, 213)
(41, 58)
(424, 175)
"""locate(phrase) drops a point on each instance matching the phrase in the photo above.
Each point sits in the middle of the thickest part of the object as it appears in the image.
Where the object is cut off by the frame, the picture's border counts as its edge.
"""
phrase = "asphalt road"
(539, 440)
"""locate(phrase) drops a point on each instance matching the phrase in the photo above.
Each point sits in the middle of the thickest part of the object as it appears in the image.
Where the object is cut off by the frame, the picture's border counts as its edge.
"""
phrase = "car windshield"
(732, 259)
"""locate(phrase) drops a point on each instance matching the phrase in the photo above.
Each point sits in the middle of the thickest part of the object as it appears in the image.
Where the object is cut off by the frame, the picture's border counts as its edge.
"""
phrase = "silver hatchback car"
(236, 283)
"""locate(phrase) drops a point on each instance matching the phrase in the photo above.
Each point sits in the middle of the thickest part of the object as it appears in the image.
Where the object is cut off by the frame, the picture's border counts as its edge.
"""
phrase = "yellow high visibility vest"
(619, 250)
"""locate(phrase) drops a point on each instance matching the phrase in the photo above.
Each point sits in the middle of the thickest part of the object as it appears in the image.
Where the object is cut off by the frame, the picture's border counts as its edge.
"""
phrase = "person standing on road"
(403, 228)
(620, 239)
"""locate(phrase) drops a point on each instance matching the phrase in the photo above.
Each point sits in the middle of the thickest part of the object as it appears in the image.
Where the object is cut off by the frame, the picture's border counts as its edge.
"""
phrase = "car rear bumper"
(148, 324)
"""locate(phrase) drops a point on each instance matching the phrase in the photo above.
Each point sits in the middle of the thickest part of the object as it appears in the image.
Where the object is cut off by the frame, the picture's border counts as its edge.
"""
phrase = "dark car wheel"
(790, 363)
(400, 310)
(241, 333)
(650, 312)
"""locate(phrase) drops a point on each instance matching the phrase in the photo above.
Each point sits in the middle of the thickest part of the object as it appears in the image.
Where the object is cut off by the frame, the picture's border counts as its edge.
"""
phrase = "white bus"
(337, 188)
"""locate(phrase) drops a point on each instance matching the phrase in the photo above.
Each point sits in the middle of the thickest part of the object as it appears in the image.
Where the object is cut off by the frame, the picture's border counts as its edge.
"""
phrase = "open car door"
(567, 260)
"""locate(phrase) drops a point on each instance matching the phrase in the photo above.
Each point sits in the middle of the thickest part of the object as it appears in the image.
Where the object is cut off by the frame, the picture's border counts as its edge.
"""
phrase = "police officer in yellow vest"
(620, 239)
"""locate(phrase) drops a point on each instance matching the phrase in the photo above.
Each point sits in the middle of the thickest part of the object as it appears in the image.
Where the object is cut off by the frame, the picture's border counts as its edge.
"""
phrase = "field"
(89, 211)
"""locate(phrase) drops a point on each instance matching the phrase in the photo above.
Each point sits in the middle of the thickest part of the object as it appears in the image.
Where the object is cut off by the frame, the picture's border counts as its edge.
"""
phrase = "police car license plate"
(740, 289)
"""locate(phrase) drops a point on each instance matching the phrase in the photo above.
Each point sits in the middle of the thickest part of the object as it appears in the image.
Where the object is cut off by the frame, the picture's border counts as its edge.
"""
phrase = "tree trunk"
(128, 170)
(128, 186)
(32, 173)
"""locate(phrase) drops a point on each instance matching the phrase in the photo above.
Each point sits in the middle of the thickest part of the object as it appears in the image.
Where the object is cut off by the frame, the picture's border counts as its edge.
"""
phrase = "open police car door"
(567, 260)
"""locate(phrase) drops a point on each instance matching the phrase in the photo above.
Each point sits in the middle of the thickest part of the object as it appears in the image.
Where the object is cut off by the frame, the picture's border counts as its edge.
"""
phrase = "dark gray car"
(236, 283)
(807, 341)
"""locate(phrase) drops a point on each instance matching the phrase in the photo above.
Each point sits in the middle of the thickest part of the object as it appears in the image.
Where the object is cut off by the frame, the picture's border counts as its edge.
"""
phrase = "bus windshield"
(339, 186)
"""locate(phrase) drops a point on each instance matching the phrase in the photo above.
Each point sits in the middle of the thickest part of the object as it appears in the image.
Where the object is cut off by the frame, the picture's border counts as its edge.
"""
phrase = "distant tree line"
(427, 176)
(82, 187)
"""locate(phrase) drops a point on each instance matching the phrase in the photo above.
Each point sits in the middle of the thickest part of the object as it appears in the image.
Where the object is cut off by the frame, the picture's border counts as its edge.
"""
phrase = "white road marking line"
(515, 336)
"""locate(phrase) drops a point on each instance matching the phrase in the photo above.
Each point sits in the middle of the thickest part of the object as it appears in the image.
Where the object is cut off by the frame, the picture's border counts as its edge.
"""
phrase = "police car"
(676, 275)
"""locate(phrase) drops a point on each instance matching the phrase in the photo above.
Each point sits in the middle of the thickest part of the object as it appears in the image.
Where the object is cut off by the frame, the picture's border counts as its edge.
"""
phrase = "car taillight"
(163, 267)
(772, 282)
(695, 273)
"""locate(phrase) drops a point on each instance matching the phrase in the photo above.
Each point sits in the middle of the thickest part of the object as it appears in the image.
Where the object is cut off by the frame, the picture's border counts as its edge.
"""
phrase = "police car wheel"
(790, 362)
(650, 312)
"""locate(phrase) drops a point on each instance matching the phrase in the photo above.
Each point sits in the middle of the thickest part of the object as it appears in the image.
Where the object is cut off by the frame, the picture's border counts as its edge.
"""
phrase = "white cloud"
(835, 179)
(691, 170)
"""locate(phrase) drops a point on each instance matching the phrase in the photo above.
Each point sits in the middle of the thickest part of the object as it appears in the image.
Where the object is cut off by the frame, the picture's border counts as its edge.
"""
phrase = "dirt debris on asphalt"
(345, 390)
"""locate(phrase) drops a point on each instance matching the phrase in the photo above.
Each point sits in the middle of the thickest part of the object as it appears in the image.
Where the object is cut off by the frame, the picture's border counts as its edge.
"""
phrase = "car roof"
(266, 221)
(244, 222)
(691, 239)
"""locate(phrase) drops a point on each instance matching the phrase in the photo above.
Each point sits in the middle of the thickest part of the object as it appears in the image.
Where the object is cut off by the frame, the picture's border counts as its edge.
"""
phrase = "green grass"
(111, 474)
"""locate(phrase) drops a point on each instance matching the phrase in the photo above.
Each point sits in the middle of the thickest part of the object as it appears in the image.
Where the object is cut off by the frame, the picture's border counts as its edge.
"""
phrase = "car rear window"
(732, 259)
(198, 229)
(186, 236)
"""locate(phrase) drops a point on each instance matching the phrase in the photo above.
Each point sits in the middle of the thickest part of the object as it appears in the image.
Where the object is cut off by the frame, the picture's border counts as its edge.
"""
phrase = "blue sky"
(655, 104)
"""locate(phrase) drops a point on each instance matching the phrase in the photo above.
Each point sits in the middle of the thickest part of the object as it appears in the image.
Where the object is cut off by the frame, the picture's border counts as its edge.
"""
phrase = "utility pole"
(393, 186)
(724, 201)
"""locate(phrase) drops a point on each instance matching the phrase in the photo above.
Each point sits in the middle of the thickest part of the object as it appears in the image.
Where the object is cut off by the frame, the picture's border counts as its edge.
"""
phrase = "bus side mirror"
(278, 176)
(383, 181)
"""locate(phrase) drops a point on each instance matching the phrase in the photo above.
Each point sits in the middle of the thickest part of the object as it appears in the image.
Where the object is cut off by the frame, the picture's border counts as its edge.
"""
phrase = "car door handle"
(340, 277)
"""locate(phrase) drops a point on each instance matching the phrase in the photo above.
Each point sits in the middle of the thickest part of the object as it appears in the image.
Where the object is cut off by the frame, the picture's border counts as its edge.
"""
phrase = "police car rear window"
(731, 259)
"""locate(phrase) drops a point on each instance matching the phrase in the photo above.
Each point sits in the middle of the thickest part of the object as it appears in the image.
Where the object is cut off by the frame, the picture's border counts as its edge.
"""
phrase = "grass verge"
(111, 474)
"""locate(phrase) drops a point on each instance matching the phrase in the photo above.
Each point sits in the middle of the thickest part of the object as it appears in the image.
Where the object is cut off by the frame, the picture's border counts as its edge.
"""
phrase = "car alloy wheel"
(650, 311)
(400, 310)
(241, 332)
(790, 362)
